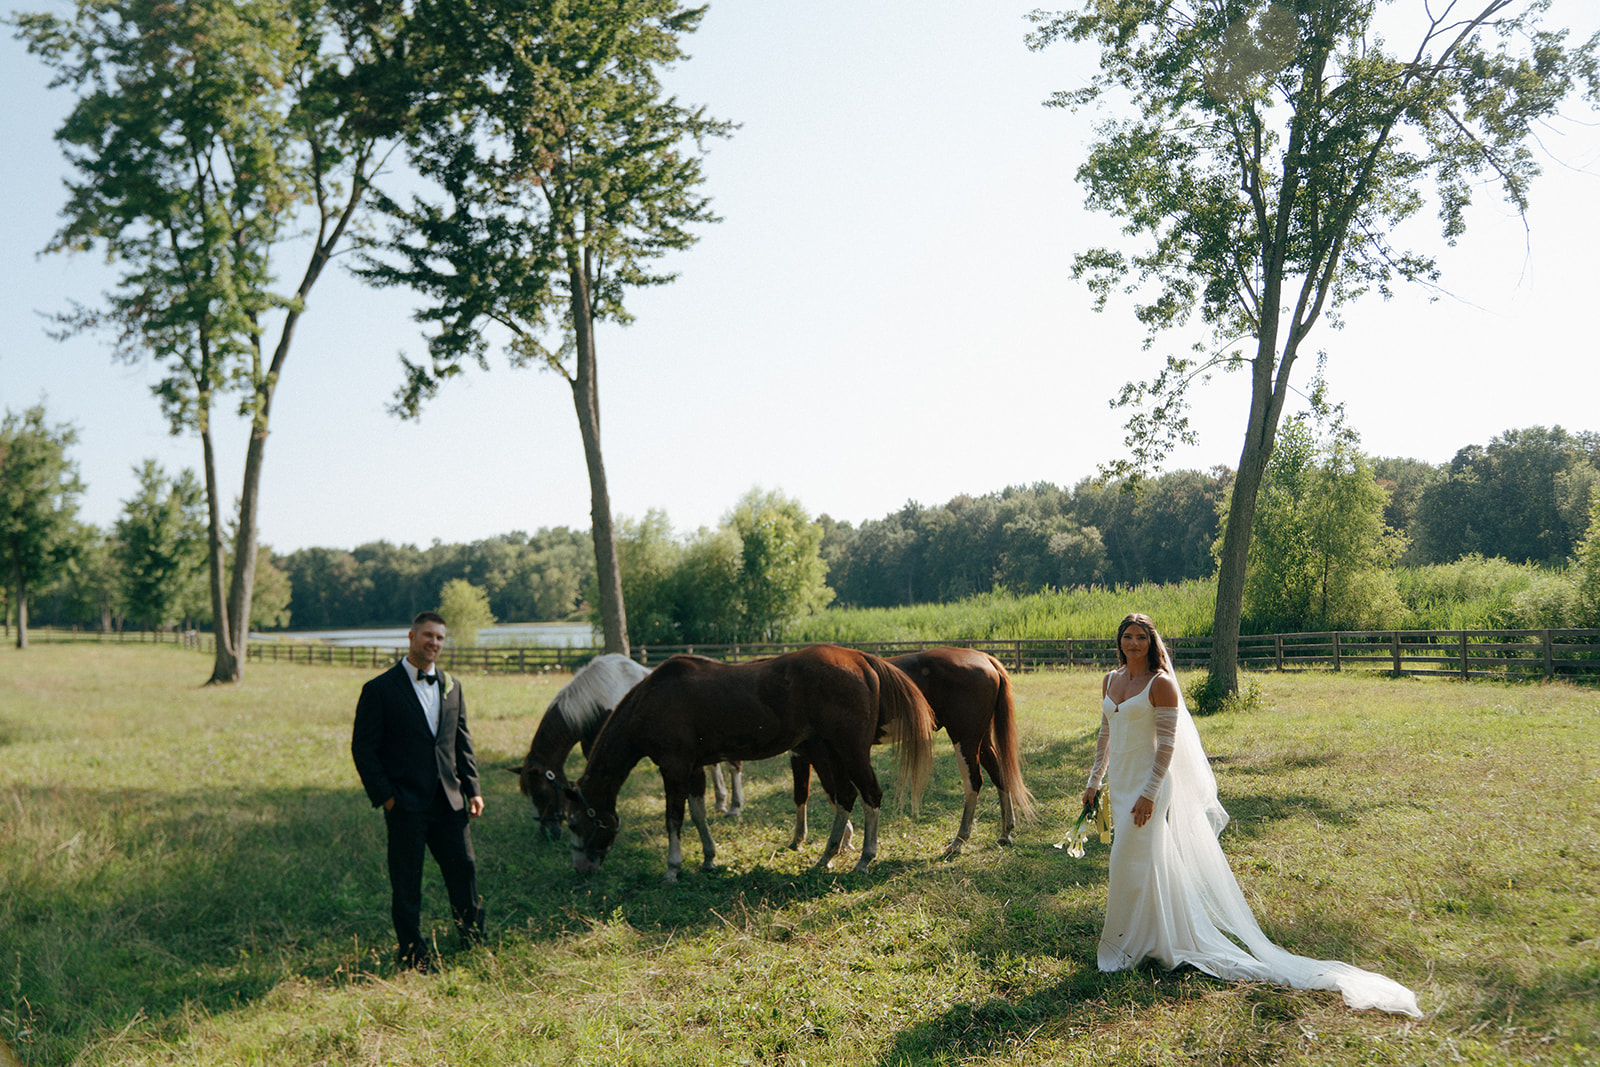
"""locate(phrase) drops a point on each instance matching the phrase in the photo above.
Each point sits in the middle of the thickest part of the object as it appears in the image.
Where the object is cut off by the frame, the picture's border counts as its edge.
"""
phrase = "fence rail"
(1506, 654)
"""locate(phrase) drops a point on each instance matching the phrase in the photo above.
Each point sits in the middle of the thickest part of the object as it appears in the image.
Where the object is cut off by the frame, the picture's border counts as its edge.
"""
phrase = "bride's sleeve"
(1102, 751)
(1166, 735)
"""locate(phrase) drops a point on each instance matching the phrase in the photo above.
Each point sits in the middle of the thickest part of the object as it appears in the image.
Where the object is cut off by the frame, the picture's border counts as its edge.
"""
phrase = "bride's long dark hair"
(1157, 653)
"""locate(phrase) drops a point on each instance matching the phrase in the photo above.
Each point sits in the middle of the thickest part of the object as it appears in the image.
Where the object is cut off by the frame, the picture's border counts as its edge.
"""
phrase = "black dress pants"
(443, 831)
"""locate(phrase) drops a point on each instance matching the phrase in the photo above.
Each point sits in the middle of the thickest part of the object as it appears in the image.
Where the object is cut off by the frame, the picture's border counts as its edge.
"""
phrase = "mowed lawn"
(193, 875)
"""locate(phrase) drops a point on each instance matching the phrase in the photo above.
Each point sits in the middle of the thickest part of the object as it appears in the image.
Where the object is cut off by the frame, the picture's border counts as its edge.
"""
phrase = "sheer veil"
(1194, 820)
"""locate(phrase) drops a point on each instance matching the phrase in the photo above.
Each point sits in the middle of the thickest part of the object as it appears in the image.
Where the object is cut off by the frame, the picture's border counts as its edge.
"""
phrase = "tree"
(204, 133)
(1320, 554)
(1586, 565)
(1406, 480)
(161, 545)
(1523, 497)
(1274, 150)
(39, 490)
(465, 608)
(649, 558)
(781, 575)
(563, 174)
(89, 591)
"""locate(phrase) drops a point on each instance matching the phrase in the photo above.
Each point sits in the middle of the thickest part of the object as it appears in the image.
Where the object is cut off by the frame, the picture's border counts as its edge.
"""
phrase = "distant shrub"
(1206, 696)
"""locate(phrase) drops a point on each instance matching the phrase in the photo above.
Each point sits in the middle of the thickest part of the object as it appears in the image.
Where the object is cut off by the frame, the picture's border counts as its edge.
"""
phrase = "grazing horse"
(574, 717)
(829, 703)
(970, 694)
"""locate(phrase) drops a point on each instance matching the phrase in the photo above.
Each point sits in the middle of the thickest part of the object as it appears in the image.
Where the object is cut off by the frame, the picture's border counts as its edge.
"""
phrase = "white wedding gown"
(1172, 896)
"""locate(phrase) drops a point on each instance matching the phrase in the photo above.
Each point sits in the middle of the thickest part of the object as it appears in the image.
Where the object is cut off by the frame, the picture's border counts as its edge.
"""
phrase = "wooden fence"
(1506, 654)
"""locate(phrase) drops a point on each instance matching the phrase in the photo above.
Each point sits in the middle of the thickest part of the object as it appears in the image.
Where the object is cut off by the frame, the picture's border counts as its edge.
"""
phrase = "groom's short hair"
(427, 616)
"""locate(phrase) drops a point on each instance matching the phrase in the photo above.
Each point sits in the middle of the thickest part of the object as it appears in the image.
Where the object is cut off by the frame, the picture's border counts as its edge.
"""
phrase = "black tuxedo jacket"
(395, 754)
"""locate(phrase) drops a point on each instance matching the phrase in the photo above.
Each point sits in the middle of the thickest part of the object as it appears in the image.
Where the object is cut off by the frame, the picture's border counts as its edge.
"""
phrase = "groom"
(414, 754)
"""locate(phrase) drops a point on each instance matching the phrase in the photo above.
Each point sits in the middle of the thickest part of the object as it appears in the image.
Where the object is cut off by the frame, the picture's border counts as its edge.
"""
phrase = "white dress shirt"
(428, 694)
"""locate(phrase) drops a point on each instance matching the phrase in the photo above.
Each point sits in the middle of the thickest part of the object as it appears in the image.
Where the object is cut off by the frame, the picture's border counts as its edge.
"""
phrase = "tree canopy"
(39, 491)
(560, 173)
(209, 141)
(1267, 156)
(161, 546)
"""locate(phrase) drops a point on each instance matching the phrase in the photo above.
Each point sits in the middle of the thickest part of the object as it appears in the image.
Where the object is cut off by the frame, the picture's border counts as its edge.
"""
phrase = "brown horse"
(829, 703)
(970, 694)
(573, 718)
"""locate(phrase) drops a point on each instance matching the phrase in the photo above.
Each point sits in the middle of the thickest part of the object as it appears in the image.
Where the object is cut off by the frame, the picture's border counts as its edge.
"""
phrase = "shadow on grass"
(137, 908)
(1088, 1003)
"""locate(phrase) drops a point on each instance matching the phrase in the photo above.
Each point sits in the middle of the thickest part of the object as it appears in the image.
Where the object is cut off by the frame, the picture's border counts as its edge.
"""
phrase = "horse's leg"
(869, 838)
(720, 787)
(684, 789)
(736, 769)
(842, 791)
(837, 835)
(697, 812)
(800, 769)
(971, 782)
(1008, 816)
(851, 773)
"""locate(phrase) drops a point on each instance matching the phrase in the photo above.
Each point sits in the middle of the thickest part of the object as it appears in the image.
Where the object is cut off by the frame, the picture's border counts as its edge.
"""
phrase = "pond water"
(540, 634)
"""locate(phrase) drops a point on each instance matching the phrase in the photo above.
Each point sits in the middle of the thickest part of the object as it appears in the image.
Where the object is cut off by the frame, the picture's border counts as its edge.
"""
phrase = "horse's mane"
(585, 701)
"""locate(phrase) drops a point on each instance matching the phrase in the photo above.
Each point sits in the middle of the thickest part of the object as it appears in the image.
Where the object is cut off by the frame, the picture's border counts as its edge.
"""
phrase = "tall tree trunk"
(20, 584)
(1269, 389)
(241, 591)
(586, 397)
(224, 667)
(242, 587)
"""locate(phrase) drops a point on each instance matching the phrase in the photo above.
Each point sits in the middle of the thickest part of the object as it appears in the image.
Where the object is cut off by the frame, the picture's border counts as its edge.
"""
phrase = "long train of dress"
(1172, 895)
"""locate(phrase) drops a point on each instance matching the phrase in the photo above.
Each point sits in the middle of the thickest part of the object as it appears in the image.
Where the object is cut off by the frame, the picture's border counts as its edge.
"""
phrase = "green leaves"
(560, 175)
(1273, 149)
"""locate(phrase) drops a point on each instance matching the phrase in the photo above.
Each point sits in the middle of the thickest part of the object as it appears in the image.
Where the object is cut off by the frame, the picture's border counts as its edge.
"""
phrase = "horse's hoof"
(952, 850)
(794, 845)
(722, 809)
(860, 867)
(709, 865)
(671, 876)
(1006, 841)
(733, 813)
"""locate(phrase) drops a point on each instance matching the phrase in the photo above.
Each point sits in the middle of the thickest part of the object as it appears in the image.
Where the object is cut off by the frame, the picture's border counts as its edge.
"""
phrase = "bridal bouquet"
(1094, 818)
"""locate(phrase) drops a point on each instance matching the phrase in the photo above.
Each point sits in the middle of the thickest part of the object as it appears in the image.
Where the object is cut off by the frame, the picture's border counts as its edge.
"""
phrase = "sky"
(885, 314)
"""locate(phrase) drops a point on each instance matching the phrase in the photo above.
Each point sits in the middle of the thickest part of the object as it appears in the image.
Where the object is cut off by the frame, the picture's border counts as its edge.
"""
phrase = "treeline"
(1331, 528)
(1027, 538)
(527, 578)
(145, 571)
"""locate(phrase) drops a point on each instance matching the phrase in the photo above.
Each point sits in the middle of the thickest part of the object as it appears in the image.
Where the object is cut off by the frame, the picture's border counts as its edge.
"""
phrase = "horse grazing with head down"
(828, 703)
(970, 694)
(573, 718)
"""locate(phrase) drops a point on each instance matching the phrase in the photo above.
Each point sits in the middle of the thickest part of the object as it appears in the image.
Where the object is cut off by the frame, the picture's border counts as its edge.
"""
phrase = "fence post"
(1277, 644)
(1549, 655)
(1463, 655)
(1336, 650)
(1394, 639)
(1018, 655)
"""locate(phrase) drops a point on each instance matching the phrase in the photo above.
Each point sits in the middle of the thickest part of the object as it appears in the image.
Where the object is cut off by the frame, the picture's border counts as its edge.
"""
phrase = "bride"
(1172, 896)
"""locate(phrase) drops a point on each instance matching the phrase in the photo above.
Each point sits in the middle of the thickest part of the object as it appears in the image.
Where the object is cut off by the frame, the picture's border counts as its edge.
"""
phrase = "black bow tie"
(431, 679)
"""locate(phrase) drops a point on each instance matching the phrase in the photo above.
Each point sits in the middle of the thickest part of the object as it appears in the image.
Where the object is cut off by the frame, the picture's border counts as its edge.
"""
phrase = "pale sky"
(885, 314)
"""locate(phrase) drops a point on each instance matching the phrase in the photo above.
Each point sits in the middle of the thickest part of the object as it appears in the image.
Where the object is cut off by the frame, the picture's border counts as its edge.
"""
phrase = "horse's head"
(590, 830)
(542, 785)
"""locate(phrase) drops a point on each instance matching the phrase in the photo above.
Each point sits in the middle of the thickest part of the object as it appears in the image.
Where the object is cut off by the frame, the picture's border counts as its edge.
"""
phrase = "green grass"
(192, 876)
(1181, 609)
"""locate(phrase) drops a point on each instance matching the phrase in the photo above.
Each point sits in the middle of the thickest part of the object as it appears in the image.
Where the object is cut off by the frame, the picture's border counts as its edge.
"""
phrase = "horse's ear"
(572, 794)
(517, 770)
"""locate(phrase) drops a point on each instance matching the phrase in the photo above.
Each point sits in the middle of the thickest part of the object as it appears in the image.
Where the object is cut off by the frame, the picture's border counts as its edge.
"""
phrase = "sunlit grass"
(1182, 609)
(192, 875)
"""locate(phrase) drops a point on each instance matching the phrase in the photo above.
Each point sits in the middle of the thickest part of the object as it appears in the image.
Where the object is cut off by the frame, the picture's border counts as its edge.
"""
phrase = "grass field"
(193, 876)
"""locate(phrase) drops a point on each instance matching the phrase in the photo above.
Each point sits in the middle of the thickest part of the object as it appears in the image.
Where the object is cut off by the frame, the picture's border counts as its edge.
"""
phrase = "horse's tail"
(1007, 748)
(907, 721)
